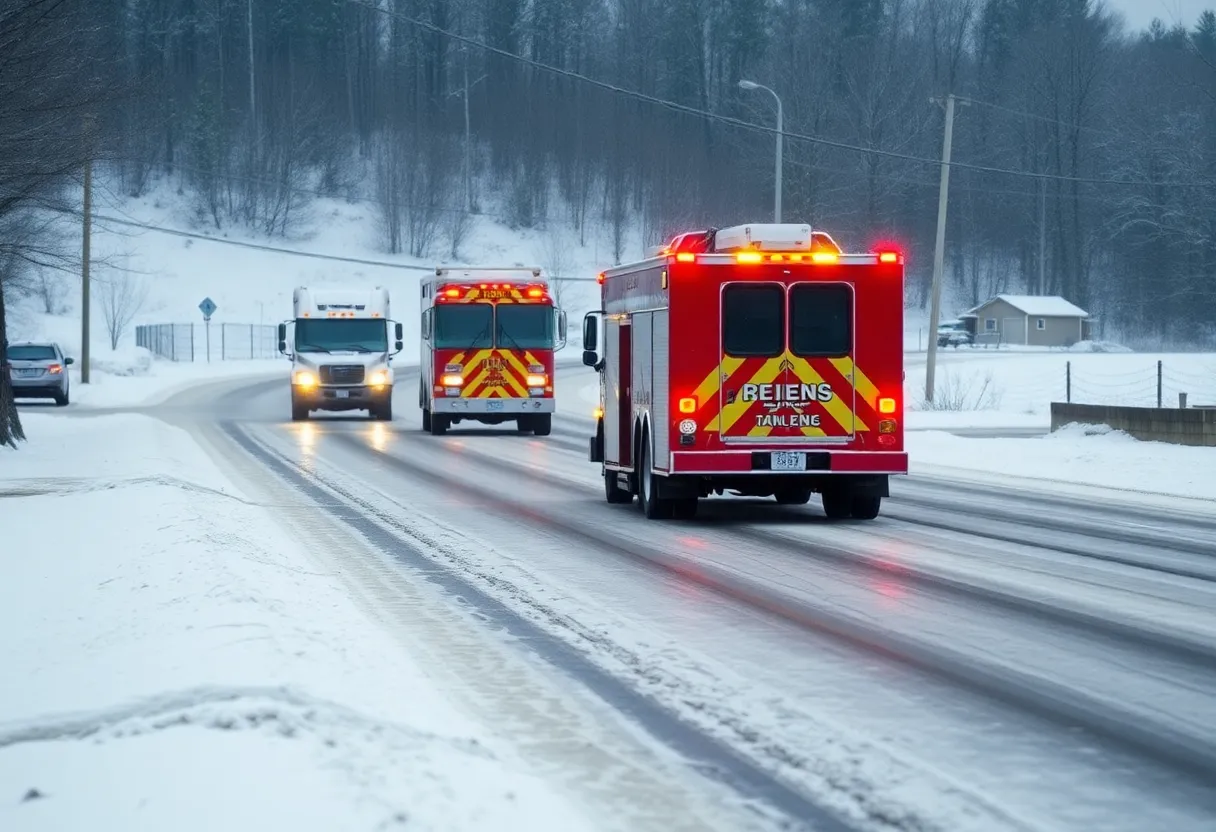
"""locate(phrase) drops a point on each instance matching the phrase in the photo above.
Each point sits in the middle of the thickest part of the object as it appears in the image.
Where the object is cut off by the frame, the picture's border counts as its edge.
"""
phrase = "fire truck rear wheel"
(652, 505)
(542, 424)
(837, 504)
(793, 496)
(866, 508)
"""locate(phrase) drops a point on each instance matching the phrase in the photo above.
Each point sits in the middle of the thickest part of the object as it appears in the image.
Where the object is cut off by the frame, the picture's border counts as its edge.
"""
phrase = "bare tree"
(122, 296)
(554, 254)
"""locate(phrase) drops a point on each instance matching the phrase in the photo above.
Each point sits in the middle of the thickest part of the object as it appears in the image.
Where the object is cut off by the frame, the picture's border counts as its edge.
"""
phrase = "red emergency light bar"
(535, 291)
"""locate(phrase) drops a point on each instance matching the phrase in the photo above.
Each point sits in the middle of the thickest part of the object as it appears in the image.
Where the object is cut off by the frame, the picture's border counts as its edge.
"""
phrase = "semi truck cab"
(340, 352)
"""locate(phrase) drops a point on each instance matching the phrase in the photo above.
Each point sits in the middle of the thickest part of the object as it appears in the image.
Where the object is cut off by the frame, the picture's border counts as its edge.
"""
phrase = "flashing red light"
(599, 278)
(452, 293)
(535, 293)
(888, 257)
(686, 257)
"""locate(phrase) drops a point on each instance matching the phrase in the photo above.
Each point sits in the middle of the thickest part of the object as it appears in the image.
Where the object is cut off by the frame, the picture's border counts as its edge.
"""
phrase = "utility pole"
(253, 111)
(468, 139)
(86, 254)
(939, 250)
(1042, 235)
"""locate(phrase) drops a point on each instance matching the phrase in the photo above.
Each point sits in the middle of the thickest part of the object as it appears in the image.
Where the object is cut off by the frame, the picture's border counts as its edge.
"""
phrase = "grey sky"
(1140, 13)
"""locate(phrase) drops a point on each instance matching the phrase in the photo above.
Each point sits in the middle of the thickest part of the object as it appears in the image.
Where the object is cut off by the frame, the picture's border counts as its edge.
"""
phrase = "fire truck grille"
(342, 374)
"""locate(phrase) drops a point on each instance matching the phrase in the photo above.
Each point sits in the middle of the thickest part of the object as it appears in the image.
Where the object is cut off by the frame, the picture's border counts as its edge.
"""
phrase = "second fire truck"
(759, 360)
(488, 339)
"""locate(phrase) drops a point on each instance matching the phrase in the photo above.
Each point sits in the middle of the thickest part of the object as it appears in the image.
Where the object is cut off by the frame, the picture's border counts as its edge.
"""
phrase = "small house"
(1028, 320)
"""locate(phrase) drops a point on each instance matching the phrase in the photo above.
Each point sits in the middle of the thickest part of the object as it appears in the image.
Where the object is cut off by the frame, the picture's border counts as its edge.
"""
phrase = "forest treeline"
(1086, 156)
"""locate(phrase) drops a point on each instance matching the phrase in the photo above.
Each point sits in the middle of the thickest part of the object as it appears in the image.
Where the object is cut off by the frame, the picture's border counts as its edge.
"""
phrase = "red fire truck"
(488, 339)
(759, 360)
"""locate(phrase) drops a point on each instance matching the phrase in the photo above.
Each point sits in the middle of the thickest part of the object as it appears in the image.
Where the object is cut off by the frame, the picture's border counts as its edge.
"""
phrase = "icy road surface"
(979, 658)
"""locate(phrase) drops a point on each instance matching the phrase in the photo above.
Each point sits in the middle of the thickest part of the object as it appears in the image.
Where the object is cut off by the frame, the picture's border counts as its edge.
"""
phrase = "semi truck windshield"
(341, 335)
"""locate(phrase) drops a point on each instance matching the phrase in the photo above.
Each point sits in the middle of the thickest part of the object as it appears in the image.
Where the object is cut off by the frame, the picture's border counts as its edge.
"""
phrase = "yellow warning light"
(688, 405)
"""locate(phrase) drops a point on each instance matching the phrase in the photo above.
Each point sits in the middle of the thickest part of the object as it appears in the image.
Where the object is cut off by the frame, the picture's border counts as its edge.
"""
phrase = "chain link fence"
(215, 342)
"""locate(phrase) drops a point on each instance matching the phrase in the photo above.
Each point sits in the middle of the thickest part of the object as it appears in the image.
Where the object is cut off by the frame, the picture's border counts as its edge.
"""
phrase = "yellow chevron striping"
(516, 382)
(708, 389)
(471, 387)
(861, 383)
(732, 412)
(837, 408)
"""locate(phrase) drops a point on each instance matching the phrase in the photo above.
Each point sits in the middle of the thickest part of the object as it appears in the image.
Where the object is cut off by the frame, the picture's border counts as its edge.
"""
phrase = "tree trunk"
(10, 420)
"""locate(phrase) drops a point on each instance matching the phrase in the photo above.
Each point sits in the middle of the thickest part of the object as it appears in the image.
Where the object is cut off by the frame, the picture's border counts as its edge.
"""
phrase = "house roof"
(1040, 306)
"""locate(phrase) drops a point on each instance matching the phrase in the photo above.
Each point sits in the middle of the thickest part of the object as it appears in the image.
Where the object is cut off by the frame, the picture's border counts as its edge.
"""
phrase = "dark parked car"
(39, 371)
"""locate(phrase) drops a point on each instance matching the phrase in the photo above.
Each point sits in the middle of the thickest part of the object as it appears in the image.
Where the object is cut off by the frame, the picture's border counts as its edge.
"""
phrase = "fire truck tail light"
(886, 405)
(749, 257)
(536, 380)
(452, 380)
(688, 405)
(686, 257)
(825, 257)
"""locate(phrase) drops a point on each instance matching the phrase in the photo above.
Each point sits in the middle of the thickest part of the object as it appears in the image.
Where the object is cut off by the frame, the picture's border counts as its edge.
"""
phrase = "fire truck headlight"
(305, 379)
(453, 380)
(536, 380)
(378, 378)
(688, 427)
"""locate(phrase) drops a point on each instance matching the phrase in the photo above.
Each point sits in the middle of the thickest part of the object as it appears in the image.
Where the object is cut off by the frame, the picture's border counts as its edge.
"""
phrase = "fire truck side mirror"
(563, 328)
(591, 332)
(426, 326)
(283, 338)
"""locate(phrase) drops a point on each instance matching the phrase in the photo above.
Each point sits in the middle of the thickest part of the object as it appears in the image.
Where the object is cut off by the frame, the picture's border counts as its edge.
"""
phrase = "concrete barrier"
(1189, 426)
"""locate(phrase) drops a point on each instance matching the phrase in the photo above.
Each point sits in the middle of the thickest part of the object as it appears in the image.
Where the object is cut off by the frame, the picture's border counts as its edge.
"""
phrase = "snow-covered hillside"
(171, 274)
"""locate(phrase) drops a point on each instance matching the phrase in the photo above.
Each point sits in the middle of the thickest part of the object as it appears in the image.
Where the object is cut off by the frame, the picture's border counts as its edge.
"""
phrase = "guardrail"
(224, 342)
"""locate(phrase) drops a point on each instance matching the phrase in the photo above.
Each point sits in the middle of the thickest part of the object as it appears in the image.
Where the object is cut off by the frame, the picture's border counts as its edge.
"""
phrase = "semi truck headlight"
(304, 378)
(379, 377)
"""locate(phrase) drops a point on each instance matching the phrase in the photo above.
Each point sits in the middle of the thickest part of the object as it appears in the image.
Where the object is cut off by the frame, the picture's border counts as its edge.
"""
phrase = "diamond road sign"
(207, 307)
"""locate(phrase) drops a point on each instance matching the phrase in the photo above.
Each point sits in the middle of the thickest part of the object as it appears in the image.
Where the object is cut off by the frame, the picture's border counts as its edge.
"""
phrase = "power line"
(316, 255)
(747, 125)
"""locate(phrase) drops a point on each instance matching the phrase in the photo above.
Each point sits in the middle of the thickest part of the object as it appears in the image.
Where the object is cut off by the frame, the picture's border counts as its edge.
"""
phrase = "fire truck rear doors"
(786, 346)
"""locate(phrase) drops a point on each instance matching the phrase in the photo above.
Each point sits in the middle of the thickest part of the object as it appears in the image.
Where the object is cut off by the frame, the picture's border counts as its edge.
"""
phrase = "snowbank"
(1086, 455)
(182, 665)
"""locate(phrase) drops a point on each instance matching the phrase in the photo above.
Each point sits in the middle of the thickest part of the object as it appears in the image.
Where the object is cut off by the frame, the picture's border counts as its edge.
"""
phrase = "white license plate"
(787, 461)
(27, 373)
(342, 394)
(493, 405)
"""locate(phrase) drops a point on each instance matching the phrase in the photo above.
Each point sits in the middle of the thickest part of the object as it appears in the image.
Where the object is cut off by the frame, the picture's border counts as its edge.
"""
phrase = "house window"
(990, 325)
(1040, 324)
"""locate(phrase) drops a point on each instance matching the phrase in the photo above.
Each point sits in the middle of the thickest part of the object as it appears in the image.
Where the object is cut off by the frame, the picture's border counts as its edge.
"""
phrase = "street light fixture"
(752, 85)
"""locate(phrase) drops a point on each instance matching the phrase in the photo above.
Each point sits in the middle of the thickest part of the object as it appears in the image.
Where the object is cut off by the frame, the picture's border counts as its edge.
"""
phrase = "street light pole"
(752, 85)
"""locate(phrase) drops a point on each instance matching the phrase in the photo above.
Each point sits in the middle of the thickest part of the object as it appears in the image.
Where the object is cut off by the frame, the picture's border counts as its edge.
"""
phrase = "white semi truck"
(340, 352)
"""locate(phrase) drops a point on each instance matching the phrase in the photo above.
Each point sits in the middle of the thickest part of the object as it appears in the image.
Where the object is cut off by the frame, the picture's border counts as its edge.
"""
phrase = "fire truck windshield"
(525, 327)
(465, 326)
(341, 335)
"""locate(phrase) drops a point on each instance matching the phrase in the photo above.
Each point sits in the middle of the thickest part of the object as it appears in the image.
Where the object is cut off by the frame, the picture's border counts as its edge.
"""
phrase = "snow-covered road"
(979, 658)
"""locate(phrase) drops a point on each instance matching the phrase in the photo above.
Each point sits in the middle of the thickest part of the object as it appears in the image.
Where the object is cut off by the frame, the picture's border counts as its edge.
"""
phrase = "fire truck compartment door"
(786, 363)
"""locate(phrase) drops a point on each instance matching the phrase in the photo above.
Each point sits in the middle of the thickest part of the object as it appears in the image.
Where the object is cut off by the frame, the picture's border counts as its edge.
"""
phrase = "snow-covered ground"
(1015, 389)
(175, 660)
